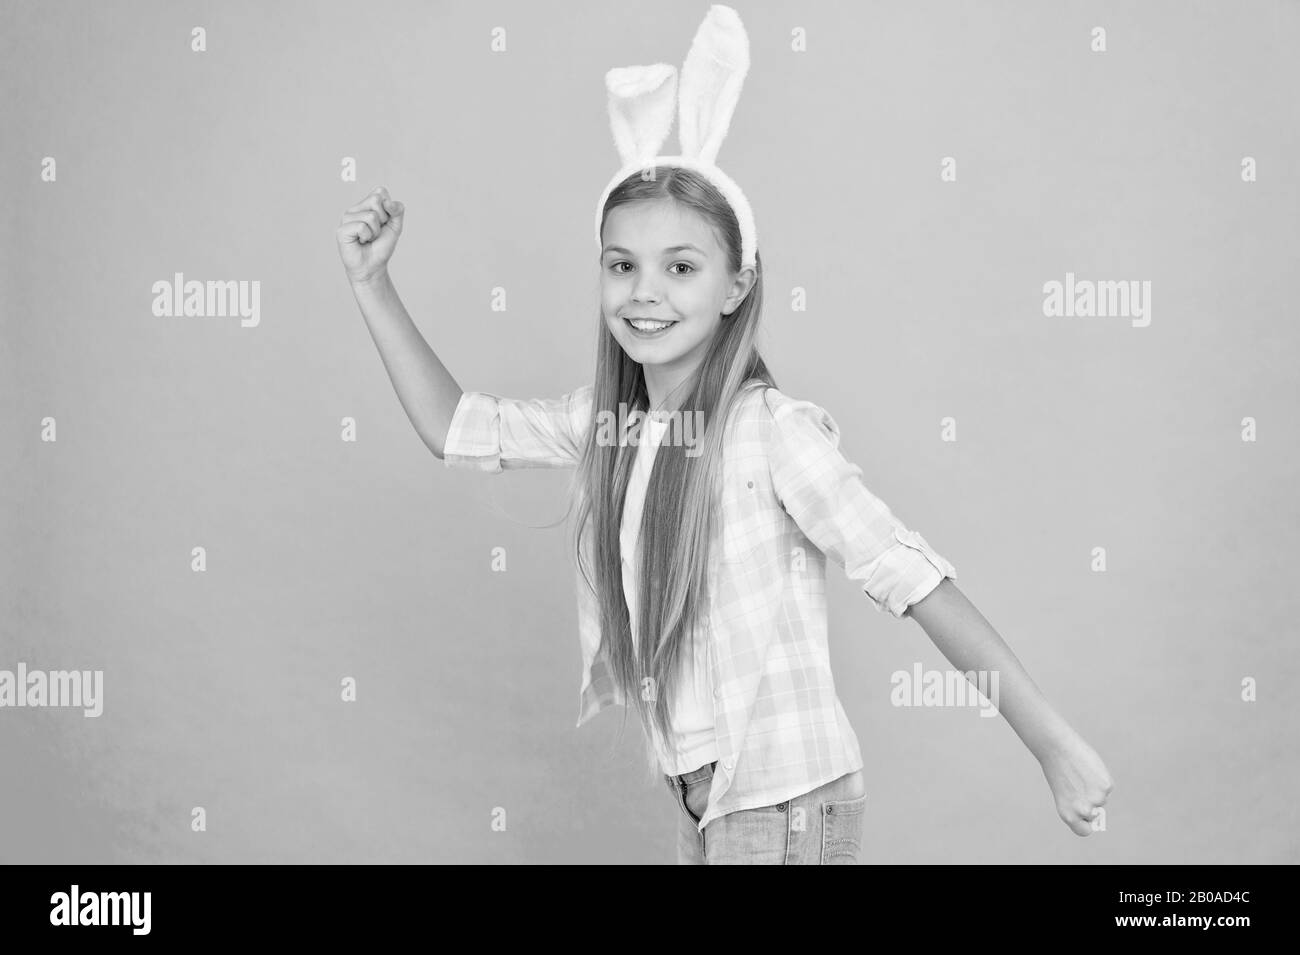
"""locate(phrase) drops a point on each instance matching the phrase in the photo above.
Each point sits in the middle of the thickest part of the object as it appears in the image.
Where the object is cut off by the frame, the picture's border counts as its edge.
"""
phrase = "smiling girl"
(702, 571)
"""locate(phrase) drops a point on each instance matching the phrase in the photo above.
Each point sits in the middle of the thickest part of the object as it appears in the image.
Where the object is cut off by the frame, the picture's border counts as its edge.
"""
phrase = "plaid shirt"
(790, 499)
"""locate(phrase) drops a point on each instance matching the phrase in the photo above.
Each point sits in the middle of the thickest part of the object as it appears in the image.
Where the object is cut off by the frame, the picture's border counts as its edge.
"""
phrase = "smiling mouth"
(649, 326)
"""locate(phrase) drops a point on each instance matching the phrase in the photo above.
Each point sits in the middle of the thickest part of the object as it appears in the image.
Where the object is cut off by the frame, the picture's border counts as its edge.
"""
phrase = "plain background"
(372, 560)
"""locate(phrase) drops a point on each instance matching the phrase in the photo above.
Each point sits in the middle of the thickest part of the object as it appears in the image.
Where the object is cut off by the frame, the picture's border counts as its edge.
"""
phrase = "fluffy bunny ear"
(641, 101)
(712, 76)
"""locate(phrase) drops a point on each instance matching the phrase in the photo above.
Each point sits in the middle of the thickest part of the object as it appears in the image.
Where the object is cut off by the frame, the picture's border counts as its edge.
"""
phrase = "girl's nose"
(643, 289)
(643, 292)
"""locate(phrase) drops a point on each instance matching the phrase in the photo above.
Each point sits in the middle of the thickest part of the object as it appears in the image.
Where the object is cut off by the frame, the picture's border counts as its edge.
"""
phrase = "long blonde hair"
(681, 501)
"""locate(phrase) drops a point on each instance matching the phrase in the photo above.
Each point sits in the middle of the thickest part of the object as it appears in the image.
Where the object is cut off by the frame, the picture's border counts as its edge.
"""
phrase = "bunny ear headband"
(641, 100)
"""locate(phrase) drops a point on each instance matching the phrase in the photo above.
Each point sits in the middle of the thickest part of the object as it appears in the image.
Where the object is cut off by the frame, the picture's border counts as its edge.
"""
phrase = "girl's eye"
(691, 268)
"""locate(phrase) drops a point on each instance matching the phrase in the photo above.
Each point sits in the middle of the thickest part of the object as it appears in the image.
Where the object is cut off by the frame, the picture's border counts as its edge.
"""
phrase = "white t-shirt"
(693, 743)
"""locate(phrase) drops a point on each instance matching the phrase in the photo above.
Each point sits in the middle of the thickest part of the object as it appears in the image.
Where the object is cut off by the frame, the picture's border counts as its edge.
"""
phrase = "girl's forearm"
(427, 391)
(969, 642)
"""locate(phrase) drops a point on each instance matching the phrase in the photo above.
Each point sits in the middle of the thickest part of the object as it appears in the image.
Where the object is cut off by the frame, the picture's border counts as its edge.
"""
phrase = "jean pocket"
(696, 798)
(843, 821)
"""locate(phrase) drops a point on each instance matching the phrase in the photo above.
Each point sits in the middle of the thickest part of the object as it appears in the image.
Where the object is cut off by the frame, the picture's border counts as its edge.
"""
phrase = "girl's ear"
(711, 79)
(641, 101)
(746, 285)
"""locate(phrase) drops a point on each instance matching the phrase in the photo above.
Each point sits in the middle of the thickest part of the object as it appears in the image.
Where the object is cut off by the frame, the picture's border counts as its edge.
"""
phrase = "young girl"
(704, 526)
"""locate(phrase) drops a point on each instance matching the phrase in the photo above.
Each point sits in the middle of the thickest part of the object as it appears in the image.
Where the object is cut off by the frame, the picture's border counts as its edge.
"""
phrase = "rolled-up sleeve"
(491, 433)
(824, 494)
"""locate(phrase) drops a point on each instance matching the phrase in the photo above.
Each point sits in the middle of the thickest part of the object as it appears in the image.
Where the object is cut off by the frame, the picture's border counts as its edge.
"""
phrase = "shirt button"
(750, 484)
(781, 807)
(729, 763)
(717, 694)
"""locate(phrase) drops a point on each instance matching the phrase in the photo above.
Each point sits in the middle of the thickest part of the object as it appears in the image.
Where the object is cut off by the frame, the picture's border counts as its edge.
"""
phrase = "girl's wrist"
(1060, 738)
(373, 280)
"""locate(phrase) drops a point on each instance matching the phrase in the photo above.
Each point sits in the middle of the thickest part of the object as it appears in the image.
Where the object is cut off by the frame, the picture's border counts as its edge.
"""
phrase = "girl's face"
(660, 260)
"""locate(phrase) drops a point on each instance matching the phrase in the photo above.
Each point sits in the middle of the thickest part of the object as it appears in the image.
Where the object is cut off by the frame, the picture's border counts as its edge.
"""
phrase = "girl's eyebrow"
(671, 248)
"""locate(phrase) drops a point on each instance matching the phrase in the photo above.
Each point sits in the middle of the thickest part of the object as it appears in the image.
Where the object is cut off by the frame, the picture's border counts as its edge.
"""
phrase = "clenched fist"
(367, 235)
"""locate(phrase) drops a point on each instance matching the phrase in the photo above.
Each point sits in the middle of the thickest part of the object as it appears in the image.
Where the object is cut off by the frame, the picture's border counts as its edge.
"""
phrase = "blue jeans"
(822, 827)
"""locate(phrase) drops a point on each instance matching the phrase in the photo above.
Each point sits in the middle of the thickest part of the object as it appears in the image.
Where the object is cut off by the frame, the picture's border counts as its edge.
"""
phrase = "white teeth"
(648, 326)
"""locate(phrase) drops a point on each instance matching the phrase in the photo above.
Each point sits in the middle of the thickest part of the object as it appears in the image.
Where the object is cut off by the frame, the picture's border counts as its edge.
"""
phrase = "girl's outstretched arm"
(824, 493)
(1078, 778)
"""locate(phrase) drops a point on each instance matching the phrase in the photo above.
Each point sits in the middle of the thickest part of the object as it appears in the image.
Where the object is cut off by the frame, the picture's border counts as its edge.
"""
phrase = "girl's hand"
(1079, 781)
(367, 235)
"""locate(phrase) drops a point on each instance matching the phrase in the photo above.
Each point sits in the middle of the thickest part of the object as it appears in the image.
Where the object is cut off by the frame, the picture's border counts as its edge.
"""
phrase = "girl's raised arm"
(367, 235)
